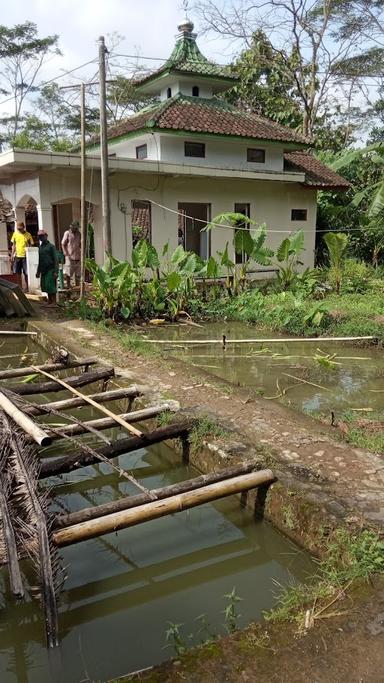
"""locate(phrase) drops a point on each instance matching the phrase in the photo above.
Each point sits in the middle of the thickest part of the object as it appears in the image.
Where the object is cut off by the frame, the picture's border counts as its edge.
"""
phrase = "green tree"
(22, 54)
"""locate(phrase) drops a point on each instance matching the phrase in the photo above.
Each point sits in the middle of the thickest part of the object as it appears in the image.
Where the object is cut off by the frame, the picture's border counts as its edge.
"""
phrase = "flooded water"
(123, 590)
(355, 378)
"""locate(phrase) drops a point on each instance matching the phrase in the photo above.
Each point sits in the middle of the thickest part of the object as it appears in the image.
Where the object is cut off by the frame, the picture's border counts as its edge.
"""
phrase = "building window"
(299, 215)
(194, 149)
(141, 221)
(169, 92)
(256, 155)
(141, 152)
(195, 91)
(245, 209)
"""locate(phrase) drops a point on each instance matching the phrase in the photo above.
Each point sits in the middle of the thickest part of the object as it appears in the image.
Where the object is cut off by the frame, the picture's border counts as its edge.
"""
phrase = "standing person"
(71, 245)
(48, 266)
(21, 239)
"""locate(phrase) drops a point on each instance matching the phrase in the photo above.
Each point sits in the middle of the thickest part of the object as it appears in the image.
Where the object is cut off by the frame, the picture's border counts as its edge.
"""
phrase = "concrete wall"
(127, 148)
(270, 203)
(218, 153)
(184, 86)
(221, 153)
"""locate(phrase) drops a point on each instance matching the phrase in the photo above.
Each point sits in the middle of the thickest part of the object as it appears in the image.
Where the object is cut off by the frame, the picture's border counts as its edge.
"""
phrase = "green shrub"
(355, 276)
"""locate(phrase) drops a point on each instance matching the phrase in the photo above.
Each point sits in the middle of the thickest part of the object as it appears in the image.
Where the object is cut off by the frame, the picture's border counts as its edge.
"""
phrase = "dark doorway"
(62, 218)
(245, 209)
(193, 218)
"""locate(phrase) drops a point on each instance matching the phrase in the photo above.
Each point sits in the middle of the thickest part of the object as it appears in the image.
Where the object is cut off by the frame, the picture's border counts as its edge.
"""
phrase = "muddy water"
(124, 589)
(355, 380)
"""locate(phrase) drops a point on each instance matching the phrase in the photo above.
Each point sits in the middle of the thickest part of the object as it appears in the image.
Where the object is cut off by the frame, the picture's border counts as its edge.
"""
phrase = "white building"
(177, 164)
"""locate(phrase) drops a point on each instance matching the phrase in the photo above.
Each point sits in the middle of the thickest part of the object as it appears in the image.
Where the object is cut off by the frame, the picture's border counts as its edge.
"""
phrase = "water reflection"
(259, 366)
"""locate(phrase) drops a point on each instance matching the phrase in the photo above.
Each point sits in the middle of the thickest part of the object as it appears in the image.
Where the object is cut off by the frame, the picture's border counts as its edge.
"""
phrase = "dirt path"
(354, 478)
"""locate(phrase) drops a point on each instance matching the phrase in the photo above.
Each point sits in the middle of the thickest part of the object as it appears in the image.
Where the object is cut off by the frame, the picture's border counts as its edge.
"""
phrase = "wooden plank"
(24, 421)
(55, 385)
(17, 333)
(159, 508)
(283, 340)
(130, 392)
(108, 422)
(68, 463)
(129, 502)
(50, 367)
(102, 409)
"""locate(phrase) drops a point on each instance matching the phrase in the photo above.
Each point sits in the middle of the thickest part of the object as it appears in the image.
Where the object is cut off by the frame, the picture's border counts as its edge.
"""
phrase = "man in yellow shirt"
(21, 239)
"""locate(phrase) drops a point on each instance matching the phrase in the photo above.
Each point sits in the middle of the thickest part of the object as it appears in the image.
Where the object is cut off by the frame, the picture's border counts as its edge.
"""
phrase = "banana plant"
(252, 247)
(288, 257)
(336, 243)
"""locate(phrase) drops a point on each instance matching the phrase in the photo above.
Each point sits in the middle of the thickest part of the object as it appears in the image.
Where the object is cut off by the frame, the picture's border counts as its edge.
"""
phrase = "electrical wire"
(235, 227)
(51, 80)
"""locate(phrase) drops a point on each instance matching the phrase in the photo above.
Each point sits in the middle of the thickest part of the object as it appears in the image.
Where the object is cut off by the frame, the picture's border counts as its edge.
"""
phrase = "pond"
(124, 590)
(314, 377)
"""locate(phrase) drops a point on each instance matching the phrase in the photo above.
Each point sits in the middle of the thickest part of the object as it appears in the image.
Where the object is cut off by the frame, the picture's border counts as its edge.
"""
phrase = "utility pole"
(83, 217)
(106, 217)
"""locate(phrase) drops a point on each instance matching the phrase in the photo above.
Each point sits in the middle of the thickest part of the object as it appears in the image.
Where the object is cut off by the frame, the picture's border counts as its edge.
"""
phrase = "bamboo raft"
(28, 530)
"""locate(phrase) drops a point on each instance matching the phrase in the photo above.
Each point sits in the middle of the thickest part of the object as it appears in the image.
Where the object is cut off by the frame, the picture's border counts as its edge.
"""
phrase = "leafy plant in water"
(231, 614)
(336, 243)
(175, 639)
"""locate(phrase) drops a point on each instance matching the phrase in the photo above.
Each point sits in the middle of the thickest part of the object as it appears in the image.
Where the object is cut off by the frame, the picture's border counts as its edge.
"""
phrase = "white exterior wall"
(218, 153)
(185, 86)
(221, 153)
(127, 148)
(271, 202)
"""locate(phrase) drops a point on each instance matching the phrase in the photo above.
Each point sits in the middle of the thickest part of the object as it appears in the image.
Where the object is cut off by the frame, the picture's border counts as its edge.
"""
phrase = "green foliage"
(231, 615)
(336, 243)
(348, 556)
(203, 428)
(356, 277)
(288, 257)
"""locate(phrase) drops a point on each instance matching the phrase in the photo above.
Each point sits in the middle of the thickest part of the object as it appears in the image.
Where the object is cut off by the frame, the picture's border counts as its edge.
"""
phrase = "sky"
(148, 27)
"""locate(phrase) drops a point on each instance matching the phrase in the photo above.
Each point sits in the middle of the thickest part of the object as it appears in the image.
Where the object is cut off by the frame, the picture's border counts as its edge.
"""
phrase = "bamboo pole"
(130, 392)
(19, 333)
(108, 422)
(76, 381)
(159, 508)
(129, 502)
(24, 421)
(68, 463)
(91, 402)
(51, 367)
(255, 341)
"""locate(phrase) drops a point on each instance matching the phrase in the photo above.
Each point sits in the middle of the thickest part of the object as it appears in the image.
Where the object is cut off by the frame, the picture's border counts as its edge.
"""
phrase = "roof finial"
(186, 26)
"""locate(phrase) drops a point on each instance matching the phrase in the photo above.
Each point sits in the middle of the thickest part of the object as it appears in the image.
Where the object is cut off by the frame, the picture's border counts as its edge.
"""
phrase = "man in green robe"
(48, 266)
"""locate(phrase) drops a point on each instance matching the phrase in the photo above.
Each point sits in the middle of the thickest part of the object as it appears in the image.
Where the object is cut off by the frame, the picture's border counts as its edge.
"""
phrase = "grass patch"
(205, 427)
(348, 557)
(346, 315)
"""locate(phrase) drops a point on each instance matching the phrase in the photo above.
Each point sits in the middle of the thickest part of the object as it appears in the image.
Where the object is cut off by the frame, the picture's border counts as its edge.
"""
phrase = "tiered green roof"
(187, 59)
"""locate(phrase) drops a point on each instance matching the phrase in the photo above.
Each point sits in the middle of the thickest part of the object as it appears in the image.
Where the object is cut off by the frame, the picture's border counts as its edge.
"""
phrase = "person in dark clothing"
(48, 266)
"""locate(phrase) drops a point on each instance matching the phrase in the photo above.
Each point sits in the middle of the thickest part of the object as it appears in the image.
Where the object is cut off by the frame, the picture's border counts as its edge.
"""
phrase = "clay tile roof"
(212, 116)
(317, 174)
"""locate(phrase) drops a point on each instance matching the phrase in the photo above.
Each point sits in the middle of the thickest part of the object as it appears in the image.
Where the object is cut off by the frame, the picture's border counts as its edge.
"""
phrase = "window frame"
(196, 144)
(141, 147)
(251, 150)
(135, 205)
(303, 212)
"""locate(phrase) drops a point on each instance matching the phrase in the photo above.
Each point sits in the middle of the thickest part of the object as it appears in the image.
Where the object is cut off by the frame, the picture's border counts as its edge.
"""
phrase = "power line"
(51, 80)
(289, 231)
